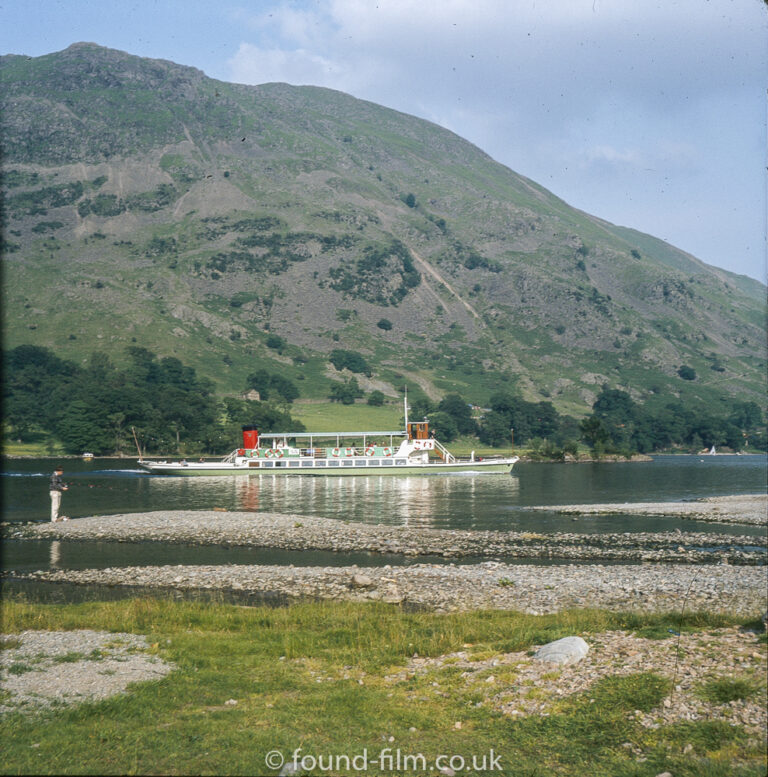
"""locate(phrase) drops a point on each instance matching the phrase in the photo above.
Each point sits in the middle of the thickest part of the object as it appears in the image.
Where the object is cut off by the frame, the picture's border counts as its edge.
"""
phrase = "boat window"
(294, 464)
(333, 463)
(374, 463)
(347, 463)
(280, 463)
(267, 463)
(387, 462)
(400, 462)
(361, 463)
(306, 463)
(319, 463)
(254, 463)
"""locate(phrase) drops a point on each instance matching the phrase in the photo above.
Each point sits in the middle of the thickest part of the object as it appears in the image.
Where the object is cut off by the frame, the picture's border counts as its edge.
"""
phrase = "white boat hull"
(342, 468)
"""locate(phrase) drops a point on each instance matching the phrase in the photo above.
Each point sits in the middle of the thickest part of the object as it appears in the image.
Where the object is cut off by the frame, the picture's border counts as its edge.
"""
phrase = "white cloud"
(593, 98)
(255, 65)
(630, 157)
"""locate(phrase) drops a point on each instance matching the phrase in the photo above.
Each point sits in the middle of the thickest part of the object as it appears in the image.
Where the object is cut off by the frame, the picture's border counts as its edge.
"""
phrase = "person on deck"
(56, 488)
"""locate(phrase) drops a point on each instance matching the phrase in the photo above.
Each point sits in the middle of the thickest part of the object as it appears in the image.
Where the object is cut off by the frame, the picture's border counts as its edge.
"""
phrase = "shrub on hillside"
(350, 360)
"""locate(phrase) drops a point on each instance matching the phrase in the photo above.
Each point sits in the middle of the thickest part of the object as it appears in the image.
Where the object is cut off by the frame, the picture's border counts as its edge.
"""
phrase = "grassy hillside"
(147, 204)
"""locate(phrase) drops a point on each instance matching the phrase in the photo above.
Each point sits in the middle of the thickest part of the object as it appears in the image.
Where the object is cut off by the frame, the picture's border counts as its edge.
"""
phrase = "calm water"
(110, 486)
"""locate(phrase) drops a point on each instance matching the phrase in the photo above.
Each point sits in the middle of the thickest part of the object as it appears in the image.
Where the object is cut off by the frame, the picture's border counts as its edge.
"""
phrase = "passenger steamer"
(413, 451)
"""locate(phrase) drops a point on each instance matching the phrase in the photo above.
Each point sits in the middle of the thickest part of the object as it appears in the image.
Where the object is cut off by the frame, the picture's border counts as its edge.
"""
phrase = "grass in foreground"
(312, 676)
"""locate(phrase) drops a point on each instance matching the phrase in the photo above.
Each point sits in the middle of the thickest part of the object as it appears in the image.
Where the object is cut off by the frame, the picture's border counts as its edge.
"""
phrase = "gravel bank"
(41, 669)
(298, 532)
(444, 588)
(751, 510)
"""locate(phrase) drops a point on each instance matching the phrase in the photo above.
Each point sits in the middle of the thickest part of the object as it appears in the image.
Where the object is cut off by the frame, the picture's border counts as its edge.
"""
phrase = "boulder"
(567, 650)
(361, 581)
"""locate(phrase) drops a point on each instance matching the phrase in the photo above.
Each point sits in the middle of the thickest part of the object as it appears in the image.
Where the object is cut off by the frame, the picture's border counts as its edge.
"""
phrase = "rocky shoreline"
(299, 532)
(655, 570)
(446, 588)
(749, 509)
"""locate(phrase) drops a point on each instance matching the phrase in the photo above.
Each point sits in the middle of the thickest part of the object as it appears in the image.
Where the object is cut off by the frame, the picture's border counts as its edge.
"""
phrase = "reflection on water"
(29, 555)
(449, 501)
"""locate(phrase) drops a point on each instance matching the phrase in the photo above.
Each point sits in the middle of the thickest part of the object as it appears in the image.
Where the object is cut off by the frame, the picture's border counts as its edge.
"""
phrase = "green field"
(326, 678)
(335, 417)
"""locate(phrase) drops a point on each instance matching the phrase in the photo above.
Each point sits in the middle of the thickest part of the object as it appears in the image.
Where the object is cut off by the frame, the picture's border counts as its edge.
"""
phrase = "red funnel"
(250, 437)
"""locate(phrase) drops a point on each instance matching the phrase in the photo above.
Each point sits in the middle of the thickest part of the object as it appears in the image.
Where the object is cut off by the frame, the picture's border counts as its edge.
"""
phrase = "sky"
(650, 114)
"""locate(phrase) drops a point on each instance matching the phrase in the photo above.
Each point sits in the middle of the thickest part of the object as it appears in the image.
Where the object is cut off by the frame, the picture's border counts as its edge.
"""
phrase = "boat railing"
(444, 453)
(486, 457)
(231, 457)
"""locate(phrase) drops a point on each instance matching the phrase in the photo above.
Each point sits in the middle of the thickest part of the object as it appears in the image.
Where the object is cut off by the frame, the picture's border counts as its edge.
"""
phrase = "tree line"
(617, 424)
(99, 406)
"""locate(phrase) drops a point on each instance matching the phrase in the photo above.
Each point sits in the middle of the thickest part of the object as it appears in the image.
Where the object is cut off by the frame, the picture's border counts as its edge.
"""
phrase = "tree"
(116, 423)
(145, 368)
(84, 427)
(35, 384)
(266, 384)
(284, 387)
(461, 413)
(620, 416)
(495, 430)
(276, 343)
(346, 392)
(385, 324)
(259, 381)
(615, 404)
(746, 415)
(376, 398)
(594, 432)
(530, 419)
(443, 426)
(92, 408)
(546, 420)
(350, 360)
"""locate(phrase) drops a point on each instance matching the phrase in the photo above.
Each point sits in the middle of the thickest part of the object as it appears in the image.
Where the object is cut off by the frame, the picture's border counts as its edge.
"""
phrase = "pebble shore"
(749, 510)
(299, 532)
(42, 669)
(446, 588)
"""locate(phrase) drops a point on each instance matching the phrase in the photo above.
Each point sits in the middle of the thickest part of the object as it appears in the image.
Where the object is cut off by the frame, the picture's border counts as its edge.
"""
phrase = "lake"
(111, 486)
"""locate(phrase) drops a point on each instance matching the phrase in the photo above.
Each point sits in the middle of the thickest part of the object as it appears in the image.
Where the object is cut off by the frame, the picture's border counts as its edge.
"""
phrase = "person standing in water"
(58, 486)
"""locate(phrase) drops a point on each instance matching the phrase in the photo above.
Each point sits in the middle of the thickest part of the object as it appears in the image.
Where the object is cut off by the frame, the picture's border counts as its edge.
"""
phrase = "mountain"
(245, 227)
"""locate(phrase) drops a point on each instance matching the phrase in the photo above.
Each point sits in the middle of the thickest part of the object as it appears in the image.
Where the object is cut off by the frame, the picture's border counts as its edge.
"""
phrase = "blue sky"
(649, 114)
